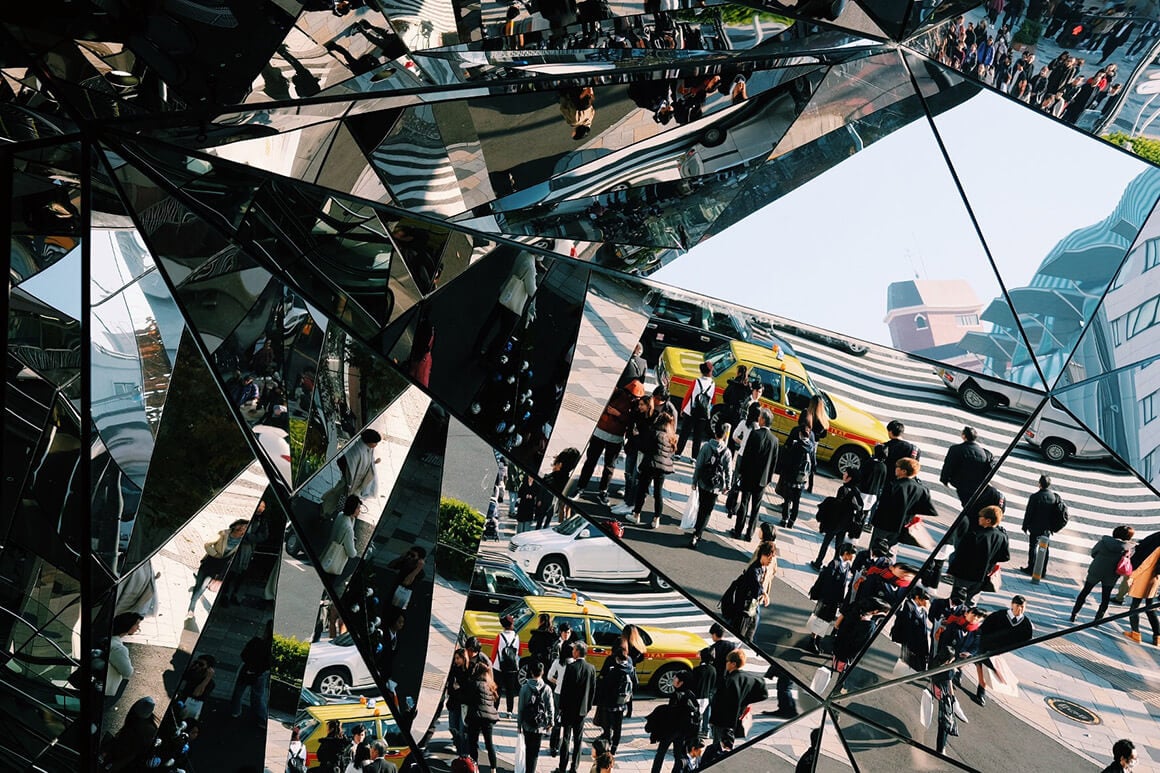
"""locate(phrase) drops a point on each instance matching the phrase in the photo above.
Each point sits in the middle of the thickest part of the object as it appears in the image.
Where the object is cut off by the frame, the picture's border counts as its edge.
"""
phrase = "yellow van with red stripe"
(786, 391)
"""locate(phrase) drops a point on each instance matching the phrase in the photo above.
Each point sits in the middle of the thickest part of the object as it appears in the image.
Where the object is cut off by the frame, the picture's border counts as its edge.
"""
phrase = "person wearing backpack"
(537, 712)
(1046, 514)
(334, 751)
(482, 699)
(1104, 568)
(614, 686)
(296, 756)
(697, 409)
(797, 464)
(505, 663)
(837, 516)
(682, 725)
(711, 474)
(739, 603)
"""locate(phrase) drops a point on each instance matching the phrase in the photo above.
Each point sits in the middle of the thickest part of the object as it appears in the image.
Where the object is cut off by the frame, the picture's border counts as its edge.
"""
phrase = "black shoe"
(782, 713)
(981, 697)
(1025, 569)
(817, 565)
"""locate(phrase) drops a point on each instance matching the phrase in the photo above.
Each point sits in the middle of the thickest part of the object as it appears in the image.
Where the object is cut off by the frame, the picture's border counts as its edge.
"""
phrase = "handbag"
(916, 535)
(401, 598)
(1002, 680)
(333, 558)
(744, 723)
(993, 582)
(689, 518)
(1124, 565)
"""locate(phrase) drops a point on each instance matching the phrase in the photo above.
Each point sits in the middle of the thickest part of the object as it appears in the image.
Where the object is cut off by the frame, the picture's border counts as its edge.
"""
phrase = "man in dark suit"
(736, 691)
(577, 690)
(754, 470)
(907, 497)
(967, 465)
(976, 554)
(1001, 632)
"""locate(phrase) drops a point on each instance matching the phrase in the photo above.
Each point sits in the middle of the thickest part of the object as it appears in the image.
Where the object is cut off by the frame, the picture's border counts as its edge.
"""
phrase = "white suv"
(578, 550)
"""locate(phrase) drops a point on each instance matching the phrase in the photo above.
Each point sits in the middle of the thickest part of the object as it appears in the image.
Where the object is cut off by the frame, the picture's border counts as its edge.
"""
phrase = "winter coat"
(833, 583)
(796, 461)
(658, 451)
(966, 467)
(1105, 556)
(736, 691)
(617, 415)
(480, 702)
(758, 459)
(1145, 581)
(606, 696)
(906, 497)
(700, 469)
(1041, 511)
(852, 637)
(998, 633)
(977, 552)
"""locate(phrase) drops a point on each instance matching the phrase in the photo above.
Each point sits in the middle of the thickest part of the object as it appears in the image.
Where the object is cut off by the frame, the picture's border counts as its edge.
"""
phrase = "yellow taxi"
(372, 715)
(786, 391)
(667, 651)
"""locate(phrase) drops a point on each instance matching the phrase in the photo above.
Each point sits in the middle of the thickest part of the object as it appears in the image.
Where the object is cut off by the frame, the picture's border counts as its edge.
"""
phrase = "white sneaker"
(959, 712)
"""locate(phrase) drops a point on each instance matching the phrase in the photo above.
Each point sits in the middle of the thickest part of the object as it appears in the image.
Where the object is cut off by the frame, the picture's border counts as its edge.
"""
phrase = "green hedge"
(460, 529)
(1144, 147)
(288, 659)
(1029, 34)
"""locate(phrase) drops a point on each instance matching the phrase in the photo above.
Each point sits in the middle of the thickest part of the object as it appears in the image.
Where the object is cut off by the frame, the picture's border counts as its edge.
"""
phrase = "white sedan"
(335, 667)
(578, 550)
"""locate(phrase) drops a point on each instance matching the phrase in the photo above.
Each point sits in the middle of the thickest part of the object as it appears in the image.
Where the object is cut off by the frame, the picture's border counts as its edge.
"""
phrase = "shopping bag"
(993, 583)
(916, 535)
(821, 680)
(401, 598)
(926, 708)
(1001, 680)
(1124, 565)
(689, 518)
(744, 723)
(191, 708)
(521, 763)
(819, 627)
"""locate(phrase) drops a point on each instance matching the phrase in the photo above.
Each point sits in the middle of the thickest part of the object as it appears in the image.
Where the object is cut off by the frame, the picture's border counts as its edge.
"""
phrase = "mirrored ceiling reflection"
(1081, 64)
(46, 208)
(1054, 296)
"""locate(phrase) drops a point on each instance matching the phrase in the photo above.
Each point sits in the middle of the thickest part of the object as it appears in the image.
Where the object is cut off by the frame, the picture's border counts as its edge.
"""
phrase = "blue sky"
(893, 212)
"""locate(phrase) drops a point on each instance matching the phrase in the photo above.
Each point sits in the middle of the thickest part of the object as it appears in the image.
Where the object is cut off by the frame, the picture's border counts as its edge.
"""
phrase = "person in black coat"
(836, 516)
(1123, 757)
(682, 730)
(977, 552)
(1000, 632)
(754, 470)
(855, 630)
(577, 691)
(904, 499)
(735, 692)
(967, 465)
(1044, 516)
(703, 683)
(896, 449)
(830, 589)
(872, 479)
(911, 629)
(656, 462)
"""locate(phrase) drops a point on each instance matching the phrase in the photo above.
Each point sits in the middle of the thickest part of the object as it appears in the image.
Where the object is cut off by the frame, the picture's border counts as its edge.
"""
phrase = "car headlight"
(529, 548)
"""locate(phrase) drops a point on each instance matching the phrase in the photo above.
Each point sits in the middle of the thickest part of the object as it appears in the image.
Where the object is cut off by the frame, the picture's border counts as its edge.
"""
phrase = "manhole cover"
(1073, 711)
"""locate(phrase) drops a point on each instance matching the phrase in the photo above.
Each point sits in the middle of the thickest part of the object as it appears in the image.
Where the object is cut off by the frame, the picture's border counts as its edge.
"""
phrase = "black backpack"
(538, 710)
(509, 654)
(715, 474)
(702, 403)
(1060, 517)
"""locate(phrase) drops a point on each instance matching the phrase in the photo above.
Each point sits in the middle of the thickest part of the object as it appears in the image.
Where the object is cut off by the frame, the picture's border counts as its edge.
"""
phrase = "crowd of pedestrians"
(1077, 80)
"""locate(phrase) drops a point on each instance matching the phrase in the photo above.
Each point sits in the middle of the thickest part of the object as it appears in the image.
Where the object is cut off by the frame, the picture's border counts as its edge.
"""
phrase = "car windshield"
(722, 358)
(520, 612)
(571, 526)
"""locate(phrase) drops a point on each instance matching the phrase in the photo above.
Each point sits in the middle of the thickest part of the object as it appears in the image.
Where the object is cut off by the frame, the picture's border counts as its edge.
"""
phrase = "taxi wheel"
(713, 136)
(553, 571)
(849, 458)
(1056, 451)
(662, 682)
(523, 674)
(658, 582)
(975, 399)
(332, 681)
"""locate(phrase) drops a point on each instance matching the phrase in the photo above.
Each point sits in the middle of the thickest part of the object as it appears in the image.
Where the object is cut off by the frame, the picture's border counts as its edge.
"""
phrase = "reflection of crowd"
(1064, 88)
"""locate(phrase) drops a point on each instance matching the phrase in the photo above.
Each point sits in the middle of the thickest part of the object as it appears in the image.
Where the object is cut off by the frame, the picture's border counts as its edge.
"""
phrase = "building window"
(1141, 318)
(1149, 464)
(124, 388)
(1148, 407)
(920, 323)
(1151, 254)
(967, 320)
